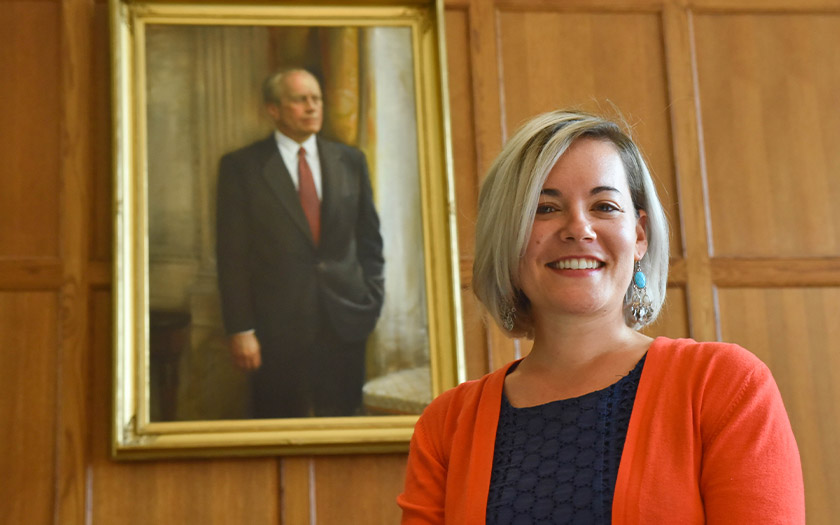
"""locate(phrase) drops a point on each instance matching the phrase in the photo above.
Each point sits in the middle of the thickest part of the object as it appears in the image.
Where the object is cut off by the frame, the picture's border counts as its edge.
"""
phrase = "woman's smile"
(576, 263)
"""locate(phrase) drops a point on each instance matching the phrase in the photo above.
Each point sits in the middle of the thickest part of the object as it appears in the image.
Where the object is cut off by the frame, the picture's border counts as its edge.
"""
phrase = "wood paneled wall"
(732, 101)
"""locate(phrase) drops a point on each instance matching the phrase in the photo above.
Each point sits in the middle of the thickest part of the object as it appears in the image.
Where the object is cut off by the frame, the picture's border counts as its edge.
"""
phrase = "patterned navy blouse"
(558, 462)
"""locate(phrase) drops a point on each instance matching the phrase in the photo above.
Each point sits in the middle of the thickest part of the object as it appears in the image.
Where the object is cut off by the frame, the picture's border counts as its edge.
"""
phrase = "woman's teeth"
(575, 264)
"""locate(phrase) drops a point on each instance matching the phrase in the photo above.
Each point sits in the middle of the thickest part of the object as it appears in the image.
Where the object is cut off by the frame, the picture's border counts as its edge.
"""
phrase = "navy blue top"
(557, 463)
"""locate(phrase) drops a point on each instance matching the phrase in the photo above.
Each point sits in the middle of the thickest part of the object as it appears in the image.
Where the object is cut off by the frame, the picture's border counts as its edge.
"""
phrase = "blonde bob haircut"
(508, 201)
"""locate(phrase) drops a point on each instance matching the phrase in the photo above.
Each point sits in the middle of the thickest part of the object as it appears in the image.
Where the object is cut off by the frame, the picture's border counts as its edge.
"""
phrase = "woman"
(572, 251)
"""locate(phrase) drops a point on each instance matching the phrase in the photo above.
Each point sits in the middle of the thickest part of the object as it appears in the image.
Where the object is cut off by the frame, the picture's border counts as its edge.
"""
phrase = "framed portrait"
(286, 272)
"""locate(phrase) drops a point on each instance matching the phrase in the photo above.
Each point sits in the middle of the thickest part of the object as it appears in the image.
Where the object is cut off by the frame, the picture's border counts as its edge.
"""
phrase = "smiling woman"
(514, 189)
(585, 237)
(572, 251)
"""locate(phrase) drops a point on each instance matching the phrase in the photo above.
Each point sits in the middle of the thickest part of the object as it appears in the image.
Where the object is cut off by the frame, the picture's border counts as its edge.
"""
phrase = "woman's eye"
(607, 207)
(545, 208)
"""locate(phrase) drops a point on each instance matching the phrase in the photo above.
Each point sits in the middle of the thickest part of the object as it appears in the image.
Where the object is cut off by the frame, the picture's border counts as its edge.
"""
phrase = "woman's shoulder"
(688, 352)
(705, 363)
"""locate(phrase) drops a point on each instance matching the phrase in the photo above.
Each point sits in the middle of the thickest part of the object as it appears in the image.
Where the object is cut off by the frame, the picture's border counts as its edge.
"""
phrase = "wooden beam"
(801, 272)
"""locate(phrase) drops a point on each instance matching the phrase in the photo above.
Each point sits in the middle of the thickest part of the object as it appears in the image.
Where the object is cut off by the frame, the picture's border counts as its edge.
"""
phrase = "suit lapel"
(279, 180)
(332, 177)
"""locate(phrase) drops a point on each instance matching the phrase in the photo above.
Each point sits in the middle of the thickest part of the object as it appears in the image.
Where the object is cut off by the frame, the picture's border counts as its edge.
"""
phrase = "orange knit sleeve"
(424, 495)
(751, 471)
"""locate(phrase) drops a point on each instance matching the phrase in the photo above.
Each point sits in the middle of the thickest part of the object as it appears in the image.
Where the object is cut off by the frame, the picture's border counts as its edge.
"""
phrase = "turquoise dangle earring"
(640, 303)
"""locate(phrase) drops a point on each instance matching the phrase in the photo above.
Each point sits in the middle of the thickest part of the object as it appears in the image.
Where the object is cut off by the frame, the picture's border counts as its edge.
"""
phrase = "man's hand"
(245, 349)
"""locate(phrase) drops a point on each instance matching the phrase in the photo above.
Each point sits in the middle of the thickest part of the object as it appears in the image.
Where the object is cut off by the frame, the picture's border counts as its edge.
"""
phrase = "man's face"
(299, 113)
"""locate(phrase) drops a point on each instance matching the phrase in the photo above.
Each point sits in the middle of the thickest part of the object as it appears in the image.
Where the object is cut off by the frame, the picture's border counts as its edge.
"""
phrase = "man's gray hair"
(274, 85)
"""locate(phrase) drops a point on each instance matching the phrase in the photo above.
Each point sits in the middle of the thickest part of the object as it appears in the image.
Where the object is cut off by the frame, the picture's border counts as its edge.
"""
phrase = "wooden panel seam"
(296, 483)
(763, 6)
(800, 272)
(47, 274)
(691, 184)
(484, 60)
(72, 435)
(605, 6)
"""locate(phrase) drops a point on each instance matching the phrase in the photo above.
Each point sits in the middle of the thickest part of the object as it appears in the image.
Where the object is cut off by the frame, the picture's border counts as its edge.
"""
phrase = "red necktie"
(308, 196)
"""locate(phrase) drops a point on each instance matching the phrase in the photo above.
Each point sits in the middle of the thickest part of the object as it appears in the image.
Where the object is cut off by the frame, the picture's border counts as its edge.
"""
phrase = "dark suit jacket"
(272, 277)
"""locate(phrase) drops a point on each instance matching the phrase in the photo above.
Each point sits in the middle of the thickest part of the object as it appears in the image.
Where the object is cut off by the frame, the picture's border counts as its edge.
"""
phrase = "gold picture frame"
(185, 80)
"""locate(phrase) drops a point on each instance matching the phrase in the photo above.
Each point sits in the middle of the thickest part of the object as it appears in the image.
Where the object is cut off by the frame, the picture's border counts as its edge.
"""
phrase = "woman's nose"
(578, 226)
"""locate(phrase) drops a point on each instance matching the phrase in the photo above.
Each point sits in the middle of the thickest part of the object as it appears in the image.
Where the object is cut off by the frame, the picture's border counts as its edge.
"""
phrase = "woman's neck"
(572, 357)
(567, 341)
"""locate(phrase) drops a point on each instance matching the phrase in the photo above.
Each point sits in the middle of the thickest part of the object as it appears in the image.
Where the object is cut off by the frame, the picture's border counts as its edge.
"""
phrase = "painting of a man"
(300, 259)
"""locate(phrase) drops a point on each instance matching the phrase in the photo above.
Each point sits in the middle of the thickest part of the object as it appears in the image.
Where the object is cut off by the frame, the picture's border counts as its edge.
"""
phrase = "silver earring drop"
(640, 302)
(509, 317)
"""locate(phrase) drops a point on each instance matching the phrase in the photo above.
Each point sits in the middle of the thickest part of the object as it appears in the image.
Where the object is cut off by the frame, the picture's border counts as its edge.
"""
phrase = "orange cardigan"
(709, 441)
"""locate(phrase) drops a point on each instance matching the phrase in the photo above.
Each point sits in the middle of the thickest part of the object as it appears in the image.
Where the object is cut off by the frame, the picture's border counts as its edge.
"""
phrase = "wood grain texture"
(486, 92)
(466, 179)
(796, 333)
(101, 209)
(30, 146)
(764, 6)
(463, 126)
(718, 6)
(28, 364)
(776, 272)
(600, 6)
(691, 189)
(99, 274)
(673, 319)
(677, 272)
(75, 166)
(211, 491)
(358, 489)
(765, 84)
(30, 274)
(297, 484)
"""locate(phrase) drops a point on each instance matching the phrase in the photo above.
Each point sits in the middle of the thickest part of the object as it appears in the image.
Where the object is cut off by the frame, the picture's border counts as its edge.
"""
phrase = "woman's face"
(586, 236)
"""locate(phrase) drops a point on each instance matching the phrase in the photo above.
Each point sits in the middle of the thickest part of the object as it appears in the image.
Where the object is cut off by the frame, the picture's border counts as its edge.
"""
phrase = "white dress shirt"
(289, 152)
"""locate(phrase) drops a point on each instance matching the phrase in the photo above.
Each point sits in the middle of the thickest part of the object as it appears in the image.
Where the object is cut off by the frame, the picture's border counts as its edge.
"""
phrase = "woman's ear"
(641, 235)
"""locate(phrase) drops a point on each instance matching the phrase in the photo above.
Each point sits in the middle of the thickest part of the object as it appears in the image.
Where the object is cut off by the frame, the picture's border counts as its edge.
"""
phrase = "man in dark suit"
(299, 259)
